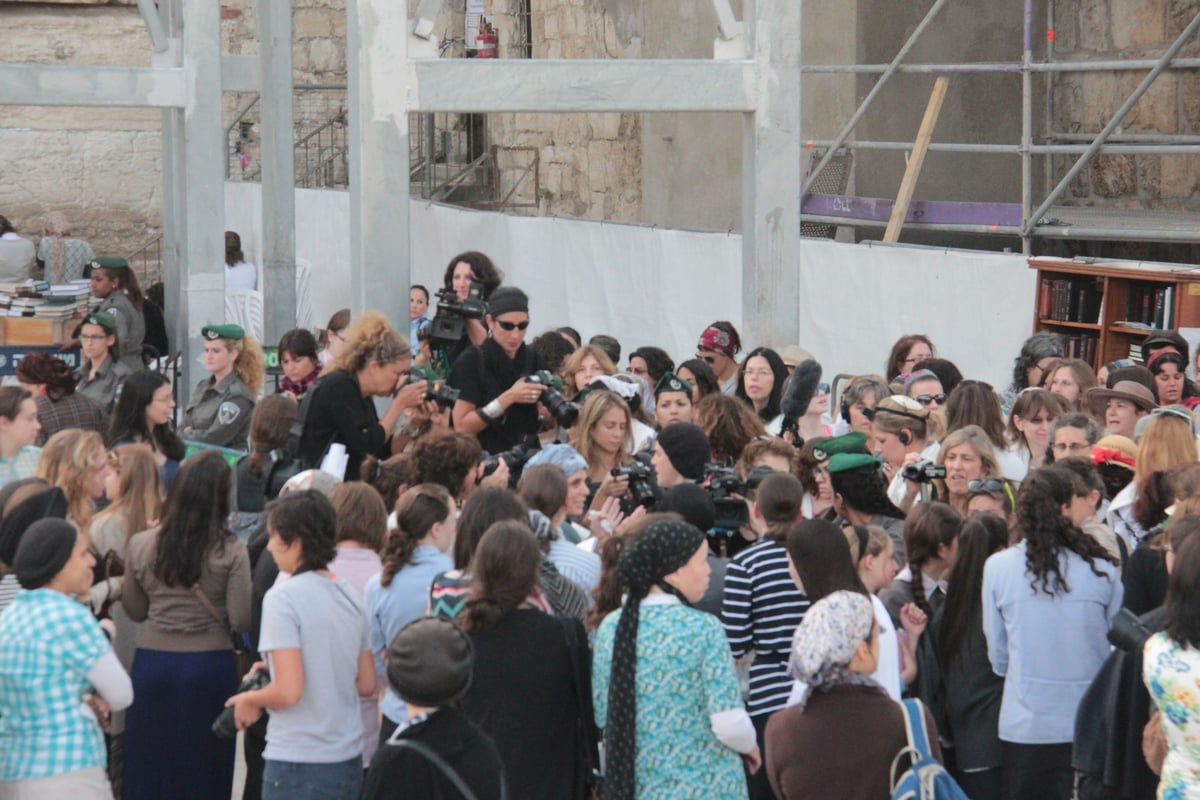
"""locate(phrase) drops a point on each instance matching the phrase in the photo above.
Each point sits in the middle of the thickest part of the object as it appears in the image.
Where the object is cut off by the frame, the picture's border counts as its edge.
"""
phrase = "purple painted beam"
(937, 212)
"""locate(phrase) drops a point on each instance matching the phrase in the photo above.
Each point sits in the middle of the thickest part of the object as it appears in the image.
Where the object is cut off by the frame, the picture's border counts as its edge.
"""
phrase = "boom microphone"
(801, 389)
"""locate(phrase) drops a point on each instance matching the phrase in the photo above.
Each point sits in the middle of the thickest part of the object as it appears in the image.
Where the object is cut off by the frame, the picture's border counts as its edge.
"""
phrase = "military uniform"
(219, 412)
(105, 386)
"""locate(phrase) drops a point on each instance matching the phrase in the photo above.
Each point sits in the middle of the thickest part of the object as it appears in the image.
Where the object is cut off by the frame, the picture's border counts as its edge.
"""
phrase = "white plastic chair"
(245, 307)
(304, 310)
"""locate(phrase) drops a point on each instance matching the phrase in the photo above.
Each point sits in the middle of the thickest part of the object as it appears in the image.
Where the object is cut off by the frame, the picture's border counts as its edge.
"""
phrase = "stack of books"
(65, 301)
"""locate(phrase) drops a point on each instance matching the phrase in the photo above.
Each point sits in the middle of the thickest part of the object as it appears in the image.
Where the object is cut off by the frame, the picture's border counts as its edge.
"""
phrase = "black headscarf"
(661, 549)
(49, 504)
(44, 551)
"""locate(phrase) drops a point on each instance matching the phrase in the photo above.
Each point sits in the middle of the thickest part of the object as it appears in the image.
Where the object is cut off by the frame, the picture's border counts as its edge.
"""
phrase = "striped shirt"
(761, 610)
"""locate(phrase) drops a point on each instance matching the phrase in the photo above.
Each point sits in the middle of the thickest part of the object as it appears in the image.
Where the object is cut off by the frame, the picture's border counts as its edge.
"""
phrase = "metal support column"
(1027, 121)
(380, 81)
(174, 224)
(1032, 220)
(771, 174)
(201, 284)
(278, 281)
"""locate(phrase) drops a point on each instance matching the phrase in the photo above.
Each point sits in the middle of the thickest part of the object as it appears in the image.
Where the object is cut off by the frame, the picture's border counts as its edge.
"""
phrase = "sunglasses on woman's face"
(513, 326)
(985, 485)
(822, 388)
(926, 399)
(710, 360)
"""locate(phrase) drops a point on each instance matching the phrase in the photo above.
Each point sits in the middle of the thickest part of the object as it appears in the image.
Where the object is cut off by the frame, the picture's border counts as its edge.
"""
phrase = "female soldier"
(116, 285)
(220, 408)
(101, 372)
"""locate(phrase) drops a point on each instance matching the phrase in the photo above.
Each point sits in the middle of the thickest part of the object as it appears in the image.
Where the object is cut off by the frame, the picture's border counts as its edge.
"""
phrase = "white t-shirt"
(325, 619)
(241, 275)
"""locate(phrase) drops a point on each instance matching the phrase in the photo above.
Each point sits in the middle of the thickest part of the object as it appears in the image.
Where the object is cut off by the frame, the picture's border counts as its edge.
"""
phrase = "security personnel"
(220, 408)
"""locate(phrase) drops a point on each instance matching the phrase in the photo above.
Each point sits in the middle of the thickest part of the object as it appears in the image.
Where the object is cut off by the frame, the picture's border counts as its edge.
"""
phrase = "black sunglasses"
(707, 359)
(926, 399)
(986, 485)
(513, 326)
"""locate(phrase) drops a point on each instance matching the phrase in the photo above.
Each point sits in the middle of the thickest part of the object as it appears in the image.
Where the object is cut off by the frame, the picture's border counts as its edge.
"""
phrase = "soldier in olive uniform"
(220, 408)
(101, 373)
(117, 286)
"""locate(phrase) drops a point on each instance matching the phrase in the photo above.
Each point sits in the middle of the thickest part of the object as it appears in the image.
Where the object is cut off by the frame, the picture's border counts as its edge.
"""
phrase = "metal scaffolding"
(1016, 219)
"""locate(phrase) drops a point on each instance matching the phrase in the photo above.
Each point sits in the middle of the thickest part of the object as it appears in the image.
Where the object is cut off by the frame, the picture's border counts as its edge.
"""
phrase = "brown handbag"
(1154, 743)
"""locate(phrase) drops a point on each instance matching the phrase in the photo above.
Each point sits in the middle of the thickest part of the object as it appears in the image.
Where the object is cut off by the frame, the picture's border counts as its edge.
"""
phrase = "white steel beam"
(44, 85)
(582, 85)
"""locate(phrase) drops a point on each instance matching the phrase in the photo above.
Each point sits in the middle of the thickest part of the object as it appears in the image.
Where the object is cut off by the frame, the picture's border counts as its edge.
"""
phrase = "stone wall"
(1085, 102)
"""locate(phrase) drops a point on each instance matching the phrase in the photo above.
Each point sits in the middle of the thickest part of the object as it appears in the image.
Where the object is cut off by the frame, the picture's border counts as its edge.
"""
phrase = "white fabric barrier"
(656, 286)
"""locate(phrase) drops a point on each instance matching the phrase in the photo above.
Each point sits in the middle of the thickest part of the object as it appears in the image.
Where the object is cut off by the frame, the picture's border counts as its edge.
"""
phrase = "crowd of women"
(674, 584)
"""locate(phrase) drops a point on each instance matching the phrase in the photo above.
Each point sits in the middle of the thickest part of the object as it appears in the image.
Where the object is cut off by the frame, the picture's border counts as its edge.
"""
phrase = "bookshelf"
(1105, 309)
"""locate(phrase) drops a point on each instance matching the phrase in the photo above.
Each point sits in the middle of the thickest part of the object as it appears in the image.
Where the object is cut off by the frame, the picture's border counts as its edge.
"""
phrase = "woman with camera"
(373, 363)
(497, 402)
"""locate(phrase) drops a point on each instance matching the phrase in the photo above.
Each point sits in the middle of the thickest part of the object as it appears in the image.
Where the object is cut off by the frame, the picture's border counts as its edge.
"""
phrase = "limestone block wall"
(1085, 102)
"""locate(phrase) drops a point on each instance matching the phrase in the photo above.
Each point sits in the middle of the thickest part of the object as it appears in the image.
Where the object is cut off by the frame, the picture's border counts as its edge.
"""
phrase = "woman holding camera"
(467, 273)
(603, 437)
(497, 402)
(373, 363)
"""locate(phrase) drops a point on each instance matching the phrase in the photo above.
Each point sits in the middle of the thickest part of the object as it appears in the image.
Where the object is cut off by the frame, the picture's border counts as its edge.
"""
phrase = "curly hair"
(250, 364)
(504, 573)
(371, 339)
(417, 511)
(1036, 347)
(658, 362)
(67, 460)
(759, 448)
(389, 478)
(482, 270)
(554, 349)
(447, 458)
(1047, 532)
(730, 425)
(52, 372)
(928, 528)
(308, 517)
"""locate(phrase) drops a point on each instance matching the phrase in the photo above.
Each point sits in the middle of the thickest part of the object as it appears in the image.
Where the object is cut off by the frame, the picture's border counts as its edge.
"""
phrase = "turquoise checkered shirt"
(21, 465)
(48, 644)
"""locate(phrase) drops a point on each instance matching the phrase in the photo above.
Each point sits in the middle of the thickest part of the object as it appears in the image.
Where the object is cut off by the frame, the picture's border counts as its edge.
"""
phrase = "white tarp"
(655, 286)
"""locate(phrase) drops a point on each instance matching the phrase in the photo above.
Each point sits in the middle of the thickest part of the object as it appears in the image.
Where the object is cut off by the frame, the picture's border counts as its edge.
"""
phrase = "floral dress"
(684, 674)
(1172, 674)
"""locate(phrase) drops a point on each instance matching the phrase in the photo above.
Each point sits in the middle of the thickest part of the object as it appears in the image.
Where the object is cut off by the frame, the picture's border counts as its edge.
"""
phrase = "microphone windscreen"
(800, 389)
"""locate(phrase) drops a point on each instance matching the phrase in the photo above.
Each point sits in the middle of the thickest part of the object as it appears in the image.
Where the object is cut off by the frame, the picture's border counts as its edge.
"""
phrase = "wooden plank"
(916, 160)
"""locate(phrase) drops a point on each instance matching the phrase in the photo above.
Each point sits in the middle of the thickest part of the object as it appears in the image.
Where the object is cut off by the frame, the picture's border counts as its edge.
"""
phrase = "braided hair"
(927, 528)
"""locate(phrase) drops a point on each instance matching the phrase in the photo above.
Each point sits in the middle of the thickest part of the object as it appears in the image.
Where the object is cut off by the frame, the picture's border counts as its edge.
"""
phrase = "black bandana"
(661, 549)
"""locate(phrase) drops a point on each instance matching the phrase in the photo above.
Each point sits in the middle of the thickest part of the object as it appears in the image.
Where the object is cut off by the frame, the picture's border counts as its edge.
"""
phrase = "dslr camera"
(641, 486)
(924, 472)
(721, 484)
(516, 458)
(563, 410)
(225, 726)
(449, 324)
(436, 390)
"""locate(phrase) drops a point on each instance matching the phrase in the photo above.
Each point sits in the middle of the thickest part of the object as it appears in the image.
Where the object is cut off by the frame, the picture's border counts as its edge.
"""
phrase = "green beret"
(226, 331)
(841, 462)
(110, 262)
(103, 319)
(854, 442)
(670, 382)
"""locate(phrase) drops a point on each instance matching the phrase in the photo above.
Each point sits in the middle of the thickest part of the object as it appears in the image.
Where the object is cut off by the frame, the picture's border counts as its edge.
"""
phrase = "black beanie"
(692, 503)
(506, 300)
(48, 504)
(430, 662)
(44, 550)
(687, 448)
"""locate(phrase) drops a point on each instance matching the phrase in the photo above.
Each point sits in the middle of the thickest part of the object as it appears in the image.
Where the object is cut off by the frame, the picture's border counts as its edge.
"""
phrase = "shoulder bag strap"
(440, 763)
(914, 726)
(204, 601)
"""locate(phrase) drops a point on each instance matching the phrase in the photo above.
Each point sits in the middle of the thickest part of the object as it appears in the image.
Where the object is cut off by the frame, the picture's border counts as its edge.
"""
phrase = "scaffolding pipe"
(866, 102)
(1013, 149)
(1002, 66)
(1151, 138)
(1027, 122)
(1046, 231)
(1126, 107)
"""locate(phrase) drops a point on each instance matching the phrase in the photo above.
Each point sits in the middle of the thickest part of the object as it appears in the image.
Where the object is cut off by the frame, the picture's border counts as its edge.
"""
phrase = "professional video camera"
(641, 487)
(449, 324)
(564, 411)
(924, 472)
(516, 458)
(721, 483)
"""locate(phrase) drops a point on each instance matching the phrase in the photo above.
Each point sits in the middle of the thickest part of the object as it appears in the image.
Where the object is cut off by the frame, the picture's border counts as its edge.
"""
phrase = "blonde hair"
(900, 413)
(877, 541)
(598, 403)
(1167, 442)
(250, 364)
(974, 436)
(66, 460)
(141, 496)
(371, 339)
(575, 362)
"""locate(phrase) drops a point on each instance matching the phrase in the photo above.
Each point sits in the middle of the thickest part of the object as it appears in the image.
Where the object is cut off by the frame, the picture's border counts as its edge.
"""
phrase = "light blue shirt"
(1047, 648)
(392, 607)
(22, 465)
(413, 326)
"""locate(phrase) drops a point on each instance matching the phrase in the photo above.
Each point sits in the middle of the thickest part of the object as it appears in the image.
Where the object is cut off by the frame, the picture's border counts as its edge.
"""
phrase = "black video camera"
(436, 390)
(924, 472)
(225, 726)
(641, 487)
(515, 458)
(731, 512)
(449, 324)
(564, 411)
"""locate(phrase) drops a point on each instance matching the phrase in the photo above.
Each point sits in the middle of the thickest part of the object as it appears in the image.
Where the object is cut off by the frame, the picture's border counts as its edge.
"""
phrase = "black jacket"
(401, 773)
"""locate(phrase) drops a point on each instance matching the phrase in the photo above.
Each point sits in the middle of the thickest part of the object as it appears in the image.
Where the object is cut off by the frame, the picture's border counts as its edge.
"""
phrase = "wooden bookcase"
(1160, 295)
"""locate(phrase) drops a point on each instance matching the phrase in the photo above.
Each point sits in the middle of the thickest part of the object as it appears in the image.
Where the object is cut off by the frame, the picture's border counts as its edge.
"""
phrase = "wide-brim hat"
(1134, 392)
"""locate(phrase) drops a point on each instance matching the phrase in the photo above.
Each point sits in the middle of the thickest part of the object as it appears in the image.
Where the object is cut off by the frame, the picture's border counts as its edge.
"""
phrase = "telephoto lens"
(225, 726)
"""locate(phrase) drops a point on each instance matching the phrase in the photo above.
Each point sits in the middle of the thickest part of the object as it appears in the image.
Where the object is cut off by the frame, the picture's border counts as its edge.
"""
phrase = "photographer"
(496, 402)
(469, 276)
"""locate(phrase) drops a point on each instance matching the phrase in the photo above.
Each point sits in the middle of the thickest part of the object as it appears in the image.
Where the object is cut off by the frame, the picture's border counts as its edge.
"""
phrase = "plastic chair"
(245, 307)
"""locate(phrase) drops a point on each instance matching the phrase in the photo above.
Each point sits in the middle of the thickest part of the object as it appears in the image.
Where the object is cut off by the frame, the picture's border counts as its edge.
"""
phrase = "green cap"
(110, 262)
(855, 442)
(670, 382)
(103, 319)
(226, 331)
(841, 462)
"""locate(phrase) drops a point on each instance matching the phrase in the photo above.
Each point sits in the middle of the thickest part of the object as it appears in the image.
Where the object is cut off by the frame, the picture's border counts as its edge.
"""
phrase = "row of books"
(1083, 346)
(1078, 300)
(40, 299)
(1152, 305)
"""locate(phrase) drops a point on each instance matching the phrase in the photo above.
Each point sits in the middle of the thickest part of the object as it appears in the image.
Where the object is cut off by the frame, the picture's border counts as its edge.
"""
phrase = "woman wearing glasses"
(1029, 421)
(718, 347)
(760, 383)
(907, 352)
(101, 374)
(926, 388)
(1073, 435)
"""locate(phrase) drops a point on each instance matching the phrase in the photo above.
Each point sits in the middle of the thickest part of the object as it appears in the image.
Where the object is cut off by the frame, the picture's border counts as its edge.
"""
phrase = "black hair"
(821, 554)
(129, 416)
(610, 346)
(421, 289)
(771, 410)
(193, 519)
(947, 372)
(1047, 532)
(309, 517)
(1036, 347)
(554, 349)
(485, 507)
(300, 343)
(706, 379)
(981, 536)
(482, 269)
(1183, 595)
(233, 249)
(865, 490)
(658, 362)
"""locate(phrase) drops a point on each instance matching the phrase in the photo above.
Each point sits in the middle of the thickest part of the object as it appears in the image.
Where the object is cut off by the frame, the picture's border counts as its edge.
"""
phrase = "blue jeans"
(289, 780)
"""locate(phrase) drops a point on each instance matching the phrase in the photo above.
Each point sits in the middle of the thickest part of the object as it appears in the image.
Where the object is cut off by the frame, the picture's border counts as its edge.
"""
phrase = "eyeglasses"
(822, 388)
(986, 485)
(707, 359)
(1073, 447)
(92, 337)
(513, 326)
(637, 370)
(929, 399)
(759, 373)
